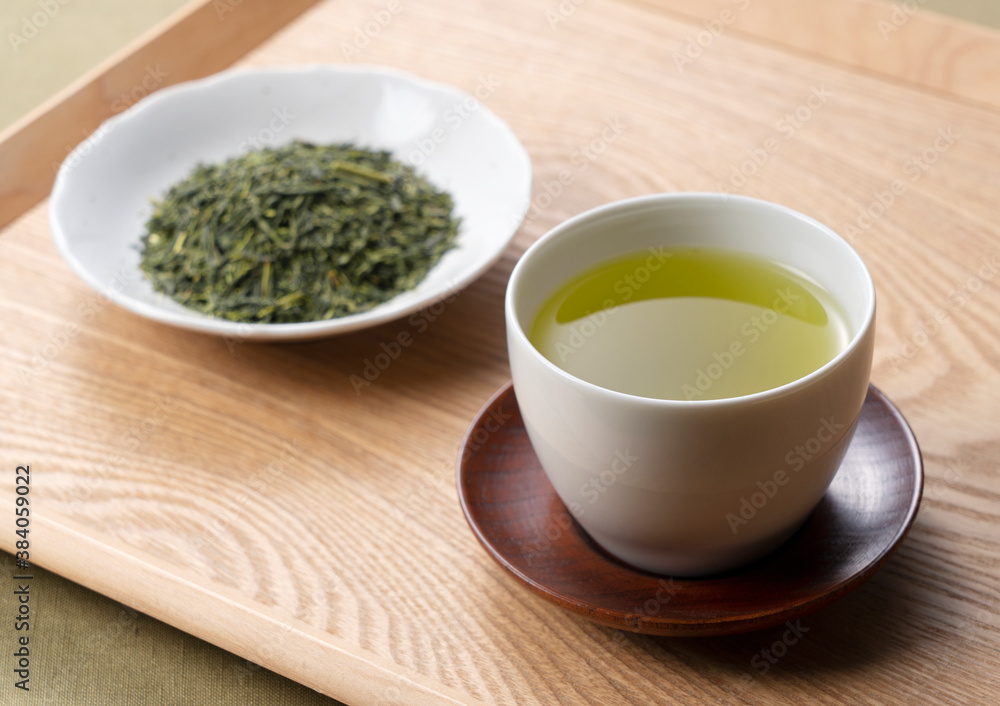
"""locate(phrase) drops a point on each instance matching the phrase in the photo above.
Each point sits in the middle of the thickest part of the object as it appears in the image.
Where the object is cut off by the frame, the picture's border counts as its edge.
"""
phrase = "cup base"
(692, 563)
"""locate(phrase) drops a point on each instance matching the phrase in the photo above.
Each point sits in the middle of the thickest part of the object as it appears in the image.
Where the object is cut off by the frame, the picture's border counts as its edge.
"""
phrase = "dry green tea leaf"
(297, 233)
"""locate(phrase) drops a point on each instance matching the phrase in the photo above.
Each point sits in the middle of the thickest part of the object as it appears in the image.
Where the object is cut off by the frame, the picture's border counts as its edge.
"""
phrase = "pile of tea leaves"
(297, 233)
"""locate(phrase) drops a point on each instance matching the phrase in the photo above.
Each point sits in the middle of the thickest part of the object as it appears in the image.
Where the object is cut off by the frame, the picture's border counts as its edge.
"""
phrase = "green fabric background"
(88, 650)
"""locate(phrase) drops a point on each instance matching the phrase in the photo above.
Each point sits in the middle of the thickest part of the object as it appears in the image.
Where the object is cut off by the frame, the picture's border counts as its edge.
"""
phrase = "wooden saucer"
(517, 516)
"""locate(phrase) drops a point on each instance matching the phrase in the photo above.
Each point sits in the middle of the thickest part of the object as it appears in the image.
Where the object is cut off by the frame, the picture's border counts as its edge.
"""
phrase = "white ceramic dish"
(102, 194)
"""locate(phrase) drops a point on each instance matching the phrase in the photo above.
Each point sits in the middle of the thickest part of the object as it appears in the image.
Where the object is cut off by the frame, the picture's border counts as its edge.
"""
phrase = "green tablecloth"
(88, 650)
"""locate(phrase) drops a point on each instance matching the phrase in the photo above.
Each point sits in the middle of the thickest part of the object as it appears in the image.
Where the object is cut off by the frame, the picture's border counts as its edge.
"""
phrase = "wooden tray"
(251, 495)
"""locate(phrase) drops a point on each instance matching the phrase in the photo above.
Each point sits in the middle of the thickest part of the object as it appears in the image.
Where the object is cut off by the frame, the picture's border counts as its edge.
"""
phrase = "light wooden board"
(248, 494)
(903, 41)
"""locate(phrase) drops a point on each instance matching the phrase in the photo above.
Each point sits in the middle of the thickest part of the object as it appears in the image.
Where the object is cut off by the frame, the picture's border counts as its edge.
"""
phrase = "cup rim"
(516, 329)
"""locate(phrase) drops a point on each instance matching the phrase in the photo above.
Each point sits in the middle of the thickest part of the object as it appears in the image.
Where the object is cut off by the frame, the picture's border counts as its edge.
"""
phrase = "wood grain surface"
(902, 41)
(250, 495)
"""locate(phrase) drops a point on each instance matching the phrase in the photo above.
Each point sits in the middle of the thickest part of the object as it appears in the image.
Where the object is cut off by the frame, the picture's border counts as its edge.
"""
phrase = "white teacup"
(691, 487)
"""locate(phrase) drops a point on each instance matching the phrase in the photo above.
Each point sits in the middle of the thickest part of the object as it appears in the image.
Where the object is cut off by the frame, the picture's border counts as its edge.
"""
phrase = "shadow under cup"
(691, 487)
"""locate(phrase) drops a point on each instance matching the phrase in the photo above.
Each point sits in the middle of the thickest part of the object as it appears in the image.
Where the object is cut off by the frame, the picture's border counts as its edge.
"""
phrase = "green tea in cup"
(687, 323)
(670, 353)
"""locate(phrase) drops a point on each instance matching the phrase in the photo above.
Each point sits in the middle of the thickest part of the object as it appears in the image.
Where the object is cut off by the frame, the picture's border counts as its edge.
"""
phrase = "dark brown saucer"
(517, 516)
